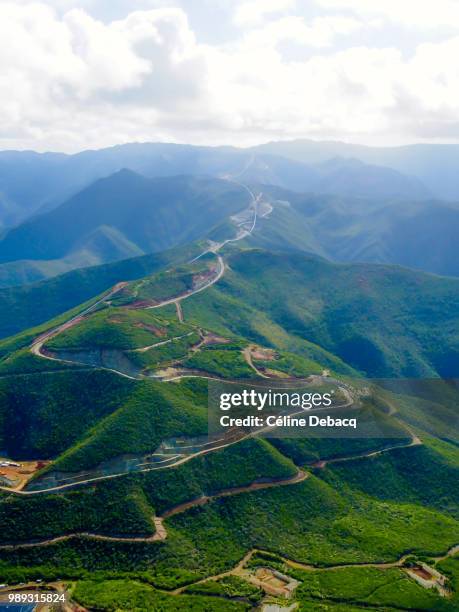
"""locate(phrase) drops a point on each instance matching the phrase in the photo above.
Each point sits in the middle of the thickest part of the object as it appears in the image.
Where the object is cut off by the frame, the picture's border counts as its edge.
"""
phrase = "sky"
(78, 74)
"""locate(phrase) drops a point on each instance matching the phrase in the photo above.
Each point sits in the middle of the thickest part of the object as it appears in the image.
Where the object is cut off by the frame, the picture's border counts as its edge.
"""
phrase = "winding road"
(160, 532)
(37, 349)
(235, 571)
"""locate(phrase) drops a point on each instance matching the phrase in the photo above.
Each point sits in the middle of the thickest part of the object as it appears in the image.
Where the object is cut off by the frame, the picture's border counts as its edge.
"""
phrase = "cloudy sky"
(78, 74)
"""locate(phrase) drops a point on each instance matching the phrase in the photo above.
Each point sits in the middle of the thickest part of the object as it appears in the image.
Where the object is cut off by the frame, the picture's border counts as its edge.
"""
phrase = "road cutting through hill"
(37, 347)
(160, 530)
(37, 344)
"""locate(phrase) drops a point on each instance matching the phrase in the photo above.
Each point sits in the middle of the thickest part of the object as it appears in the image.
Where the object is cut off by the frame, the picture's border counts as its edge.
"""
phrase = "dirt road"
(161, 533)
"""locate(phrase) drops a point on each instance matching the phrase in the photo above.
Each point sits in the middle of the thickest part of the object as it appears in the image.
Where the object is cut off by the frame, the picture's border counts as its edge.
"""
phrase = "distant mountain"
(419, 235)
(436, 165)
(352, 177)
(27, 181)
(122, 216)
(127, 215)
(32, 182)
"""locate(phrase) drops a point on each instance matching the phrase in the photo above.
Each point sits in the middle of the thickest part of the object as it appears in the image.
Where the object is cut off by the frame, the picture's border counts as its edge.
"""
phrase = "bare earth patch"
(17, 474)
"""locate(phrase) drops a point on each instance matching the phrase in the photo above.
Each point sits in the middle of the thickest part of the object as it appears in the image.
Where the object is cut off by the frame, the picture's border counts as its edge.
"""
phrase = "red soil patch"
(157, 331)
(422, 573)
(262, 354)
(19, 475)
(214, 339)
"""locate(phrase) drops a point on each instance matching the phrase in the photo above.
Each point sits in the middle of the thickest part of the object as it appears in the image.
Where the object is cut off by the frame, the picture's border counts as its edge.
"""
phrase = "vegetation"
(450, 568)
(150, 414)
(170, 283)
(309, 522)
(126, 505)
(384, 321)
(23, 362)
(418, 475)
(371, 509)
(42, 415)
(290, 364)
(369, 587)
(229, 586)
(25, 338)
(117, 509)
(225, 360)
(124, 595)
(58, 295)
(118, 328)
(212, 473)
(166, 354)
(308, 451)
(121, 216)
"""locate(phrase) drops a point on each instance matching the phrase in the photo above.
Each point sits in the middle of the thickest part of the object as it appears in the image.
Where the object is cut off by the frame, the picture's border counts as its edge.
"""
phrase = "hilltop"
(124, 495)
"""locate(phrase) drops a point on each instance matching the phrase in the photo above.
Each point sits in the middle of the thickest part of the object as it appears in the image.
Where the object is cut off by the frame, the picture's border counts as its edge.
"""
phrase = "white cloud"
(73, 75)
(253, 12)
(70, 81)
(319, 32)
(411, 13)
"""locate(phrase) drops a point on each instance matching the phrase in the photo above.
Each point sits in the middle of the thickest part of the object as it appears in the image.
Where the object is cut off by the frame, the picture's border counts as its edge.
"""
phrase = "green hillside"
(139, 497)
(26, 306)
(420, 234)
(106, 508)
(309, 522)
(119, 328)
(41, 414)
(384, 321)
(122, 216)
(406, 474)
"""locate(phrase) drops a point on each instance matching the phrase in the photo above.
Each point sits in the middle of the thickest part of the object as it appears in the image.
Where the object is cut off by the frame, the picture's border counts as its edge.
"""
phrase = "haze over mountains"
(126, 215)
(420, 235)
(154, 213)
(436, 165)
(118, 217)
(32, 182)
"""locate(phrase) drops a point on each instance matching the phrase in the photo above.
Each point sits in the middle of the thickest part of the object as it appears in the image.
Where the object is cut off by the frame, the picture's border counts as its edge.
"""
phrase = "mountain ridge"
(32, 183)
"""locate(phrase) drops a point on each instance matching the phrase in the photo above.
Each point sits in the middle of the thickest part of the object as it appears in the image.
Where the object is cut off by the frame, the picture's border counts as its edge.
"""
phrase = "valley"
(160, 339)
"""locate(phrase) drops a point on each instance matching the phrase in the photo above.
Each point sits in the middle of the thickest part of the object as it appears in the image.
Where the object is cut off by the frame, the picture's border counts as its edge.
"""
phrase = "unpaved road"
(247, 352)
(37, 345)
(161, 533)
(144, 349)
(309, 567)
(415, 441)
(212, 281)
(38, 342)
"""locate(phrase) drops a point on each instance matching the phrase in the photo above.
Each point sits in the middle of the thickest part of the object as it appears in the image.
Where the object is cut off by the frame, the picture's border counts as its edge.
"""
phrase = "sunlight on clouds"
(71, 81)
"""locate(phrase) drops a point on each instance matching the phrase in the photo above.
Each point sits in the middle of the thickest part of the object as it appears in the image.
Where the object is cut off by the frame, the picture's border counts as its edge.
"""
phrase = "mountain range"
(420, 235)
(32, 183)
(229, 269)
(126, 215)
(436, 165)
(115, 218)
